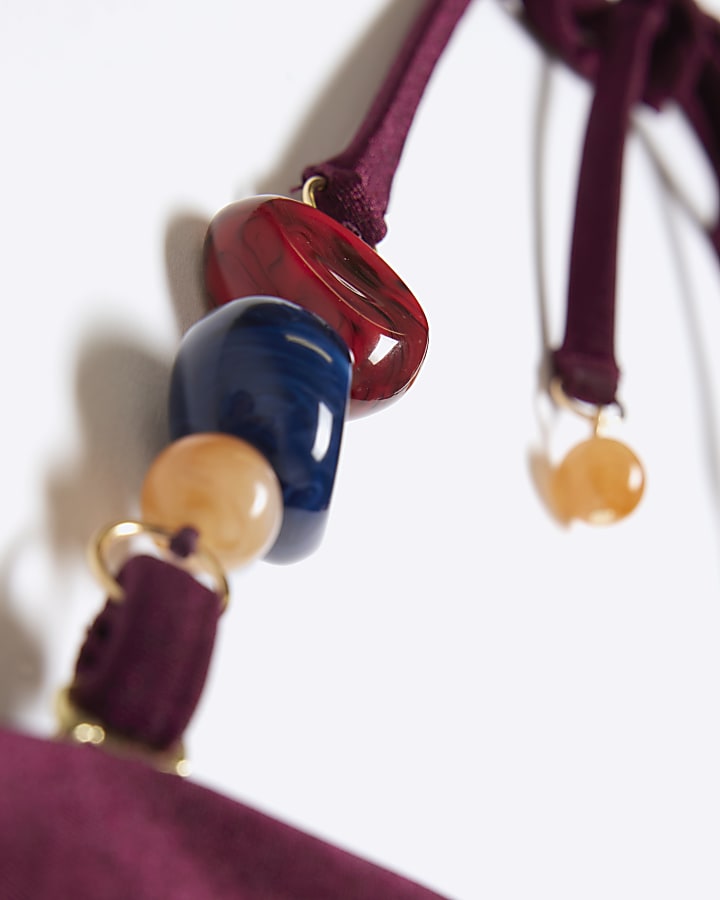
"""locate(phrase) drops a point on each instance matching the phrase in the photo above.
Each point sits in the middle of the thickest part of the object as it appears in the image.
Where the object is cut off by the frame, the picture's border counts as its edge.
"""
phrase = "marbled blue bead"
(277, 376)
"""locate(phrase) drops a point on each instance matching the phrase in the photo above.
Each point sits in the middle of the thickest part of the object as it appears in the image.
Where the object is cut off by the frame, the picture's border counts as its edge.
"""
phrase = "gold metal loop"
(100, 544)
(592, 412)
(314, 184)
(79, 727)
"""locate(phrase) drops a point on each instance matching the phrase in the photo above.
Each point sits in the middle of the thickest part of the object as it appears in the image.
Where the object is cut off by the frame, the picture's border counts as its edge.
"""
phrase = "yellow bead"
(223, 487)
(599, 481)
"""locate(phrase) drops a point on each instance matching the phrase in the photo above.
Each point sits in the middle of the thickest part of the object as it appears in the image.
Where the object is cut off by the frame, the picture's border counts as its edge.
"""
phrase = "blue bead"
(277, 376)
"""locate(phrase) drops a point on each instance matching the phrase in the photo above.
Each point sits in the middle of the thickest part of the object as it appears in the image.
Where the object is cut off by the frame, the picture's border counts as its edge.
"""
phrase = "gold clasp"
(79, 727)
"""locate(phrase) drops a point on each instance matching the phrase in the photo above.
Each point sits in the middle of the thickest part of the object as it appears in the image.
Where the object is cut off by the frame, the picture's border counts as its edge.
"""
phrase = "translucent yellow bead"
(599, 481)
(223, 487)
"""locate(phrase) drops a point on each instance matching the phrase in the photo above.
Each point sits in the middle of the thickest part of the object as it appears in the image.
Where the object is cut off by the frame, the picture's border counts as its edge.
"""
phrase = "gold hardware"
(79, 727)
(597, 414)
(314, 184)
(100, 544)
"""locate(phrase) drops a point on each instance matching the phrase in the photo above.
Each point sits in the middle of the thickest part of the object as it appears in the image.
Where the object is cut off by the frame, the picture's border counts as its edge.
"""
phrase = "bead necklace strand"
(450, 610)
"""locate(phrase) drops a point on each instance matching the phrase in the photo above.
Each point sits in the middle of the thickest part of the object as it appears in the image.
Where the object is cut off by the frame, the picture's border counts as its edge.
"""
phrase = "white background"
(453, 685)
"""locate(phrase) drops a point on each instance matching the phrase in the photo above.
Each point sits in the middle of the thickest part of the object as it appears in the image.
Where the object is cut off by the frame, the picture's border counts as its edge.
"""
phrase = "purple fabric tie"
(635, 50)
(143, 665)
(359, 179)
(77, 822)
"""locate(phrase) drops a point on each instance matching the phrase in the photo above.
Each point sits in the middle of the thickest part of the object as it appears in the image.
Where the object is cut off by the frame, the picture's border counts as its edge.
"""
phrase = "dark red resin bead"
(283, 248)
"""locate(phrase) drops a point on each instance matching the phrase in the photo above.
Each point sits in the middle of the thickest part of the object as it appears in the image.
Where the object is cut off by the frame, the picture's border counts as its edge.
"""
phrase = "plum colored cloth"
(79, 824)
(359, 179)
(651, 51)
(142, 667)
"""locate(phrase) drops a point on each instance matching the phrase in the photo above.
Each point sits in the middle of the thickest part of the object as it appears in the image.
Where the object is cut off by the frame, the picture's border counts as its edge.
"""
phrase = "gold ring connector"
(592, 412)
(79, 727)
(101, 543)
(314, 184)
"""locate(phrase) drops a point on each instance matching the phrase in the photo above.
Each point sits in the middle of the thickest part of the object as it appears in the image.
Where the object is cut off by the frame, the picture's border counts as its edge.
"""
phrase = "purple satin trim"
(144, 662)
(654, 51)
(359, 179)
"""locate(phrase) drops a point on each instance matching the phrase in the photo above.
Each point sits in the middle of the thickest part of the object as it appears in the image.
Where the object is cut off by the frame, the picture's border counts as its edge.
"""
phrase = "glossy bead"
(283, 248)
(277, 376)
(221, 486)
(599, 482)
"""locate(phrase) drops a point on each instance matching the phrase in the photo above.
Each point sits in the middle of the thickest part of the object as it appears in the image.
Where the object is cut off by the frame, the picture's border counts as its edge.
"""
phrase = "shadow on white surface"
(121, 391)
(333, 118)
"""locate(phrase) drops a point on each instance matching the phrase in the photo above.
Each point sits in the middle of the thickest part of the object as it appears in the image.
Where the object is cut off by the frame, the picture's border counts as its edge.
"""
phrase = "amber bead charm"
(223, 487)
(600, 481)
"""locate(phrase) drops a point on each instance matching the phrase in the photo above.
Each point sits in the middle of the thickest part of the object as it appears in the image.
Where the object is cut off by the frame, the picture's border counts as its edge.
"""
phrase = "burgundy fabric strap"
(359, 179)
(144, 662)
(79, 824)
(651, 50)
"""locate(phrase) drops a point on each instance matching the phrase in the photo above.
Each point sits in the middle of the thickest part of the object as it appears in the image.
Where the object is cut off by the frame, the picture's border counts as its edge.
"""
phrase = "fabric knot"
(679, 52)
(184, 542)
(568, 28)
(346, 199)
(577, 31)
(359, 179)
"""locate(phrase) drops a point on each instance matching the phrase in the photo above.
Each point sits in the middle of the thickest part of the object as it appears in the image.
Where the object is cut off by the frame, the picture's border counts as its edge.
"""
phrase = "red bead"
(283, 248)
